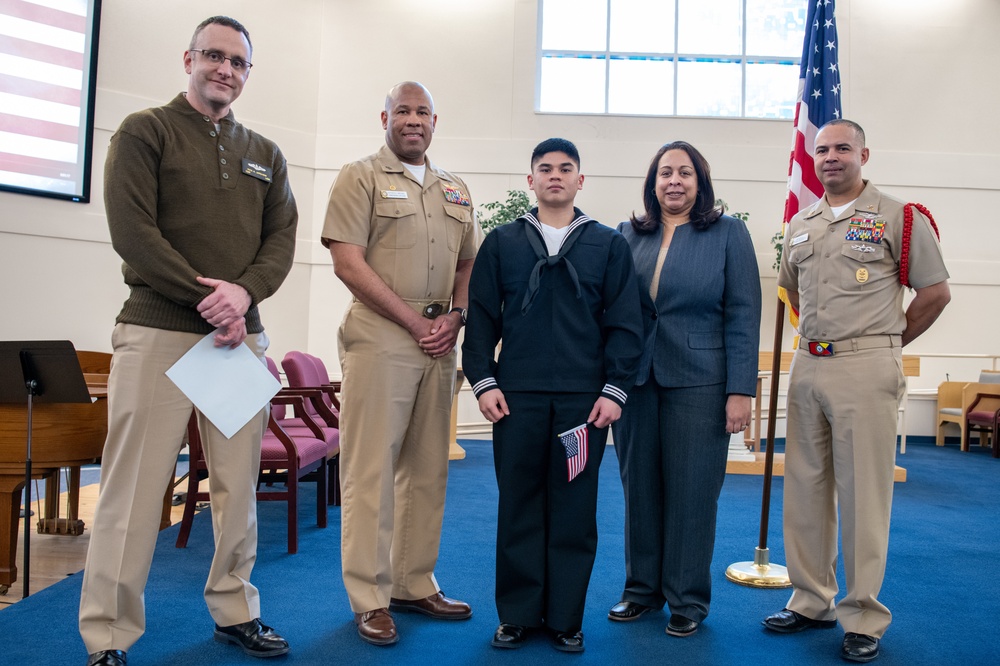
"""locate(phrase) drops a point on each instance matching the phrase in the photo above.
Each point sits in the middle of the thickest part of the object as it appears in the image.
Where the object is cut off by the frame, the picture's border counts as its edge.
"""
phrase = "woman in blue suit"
(701, 294)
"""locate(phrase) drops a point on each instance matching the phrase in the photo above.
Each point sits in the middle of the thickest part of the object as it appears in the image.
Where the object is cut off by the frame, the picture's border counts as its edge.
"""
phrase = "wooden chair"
(984, 417)
(307, 372)
(317, 407)
(283, 458)
(954, 399)
(331, 388)
(303, 373)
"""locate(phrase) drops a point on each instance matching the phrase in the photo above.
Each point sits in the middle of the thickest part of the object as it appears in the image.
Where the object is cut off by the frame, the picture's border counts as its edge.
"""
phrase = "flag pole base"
(759, 573)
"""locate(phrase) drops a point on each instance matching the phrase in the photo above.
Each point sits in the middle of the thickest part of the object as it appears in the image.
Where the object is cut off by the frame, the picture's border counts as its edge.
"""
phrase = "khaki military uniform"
(396, 399)
(842, 409)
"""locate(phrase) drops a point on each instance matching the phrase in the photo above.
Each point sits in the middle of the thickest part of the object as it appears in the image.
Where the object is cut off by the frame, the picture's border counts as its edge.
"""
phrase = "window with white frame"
(716, 58)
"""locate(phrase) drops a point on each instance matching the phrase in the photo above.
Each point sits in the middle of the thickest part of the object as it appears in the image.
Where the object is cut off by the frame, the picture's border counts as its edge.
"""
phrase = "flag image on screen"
(48, 66)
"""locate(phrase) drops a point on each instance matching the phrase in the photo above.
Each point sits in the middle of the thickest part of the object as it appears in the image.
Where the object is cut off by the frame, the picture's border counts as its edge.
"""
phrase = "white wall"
(915, 75)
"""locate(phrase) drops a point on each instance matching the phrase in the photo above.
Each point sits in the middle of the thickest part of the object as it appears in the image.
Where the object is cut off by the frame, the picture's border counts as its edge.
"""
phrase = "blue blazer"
(704, 327)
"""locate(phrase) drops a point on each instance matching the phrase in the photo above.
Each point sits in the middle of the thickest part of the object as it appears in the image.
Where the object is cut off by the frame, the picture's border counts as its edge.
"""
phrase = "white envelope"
(229, 386)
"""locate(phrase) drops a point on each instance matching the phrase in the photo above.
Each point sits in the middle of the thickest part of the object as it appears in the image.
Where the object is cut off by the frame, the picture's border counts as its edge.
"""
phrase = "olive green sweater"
(180, 205)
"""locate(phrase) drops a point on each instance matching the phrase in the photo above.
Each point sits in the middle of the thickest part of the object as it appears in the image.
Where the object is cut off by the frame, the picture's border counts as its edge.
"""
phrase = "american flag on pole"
(575, 443)
(818, 103)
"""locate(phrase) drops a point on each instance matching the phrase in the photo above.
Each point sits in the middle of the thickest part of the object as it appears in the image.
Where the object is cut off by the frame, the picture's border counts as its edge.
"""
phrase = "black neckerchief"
(537, 243)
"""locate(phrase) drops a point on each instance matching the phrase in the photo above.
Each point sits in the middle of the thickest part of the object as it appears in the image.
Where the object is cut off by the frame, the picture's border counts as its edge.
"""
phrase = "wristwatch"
(461, 311)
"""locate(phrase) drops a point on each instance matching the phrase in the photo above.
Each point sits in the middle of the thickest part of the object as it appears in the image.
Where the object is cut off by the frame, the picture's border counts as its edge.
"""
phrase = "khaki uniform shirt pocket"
(864, 265)
(799, 256)
(459, 219)
(396, 223)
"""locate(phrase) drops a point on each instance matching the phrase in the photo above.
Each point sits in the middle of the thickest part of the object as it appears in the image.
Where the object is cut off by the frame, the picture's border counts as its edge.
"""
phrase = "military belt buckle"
(433, 310)
(820, 348)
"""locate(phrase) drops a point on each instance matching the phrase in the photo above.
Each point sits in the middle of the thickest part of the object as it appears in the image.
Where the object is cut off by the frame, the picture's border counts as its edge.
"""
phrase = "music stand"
(43, 371)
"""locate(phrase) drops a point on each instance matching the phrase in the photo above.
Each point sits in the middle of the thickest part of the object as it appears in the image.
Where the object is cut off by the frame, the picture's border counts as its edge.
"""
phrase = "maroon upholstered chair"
(984, 417)
(954, 399)
(282, 457)
(322, 406)
(313, 406)
(318, 409)
(332, 388)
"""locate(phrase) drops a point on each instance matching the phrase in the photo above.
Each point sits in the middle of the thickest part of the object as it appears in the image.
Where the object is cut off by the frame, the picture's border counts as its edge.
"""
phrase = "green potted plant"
(502, 212)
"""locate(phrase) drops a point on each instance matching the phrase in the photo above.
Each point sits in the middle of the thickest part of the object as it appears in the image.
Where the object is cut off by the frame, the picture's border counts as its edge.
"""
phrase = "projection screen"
(48, 72)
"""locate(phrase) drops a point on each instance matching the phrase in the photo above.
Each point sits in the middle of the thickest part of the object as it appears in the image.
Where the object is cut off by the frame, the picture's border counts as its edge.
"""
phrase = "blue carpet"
(939, 585)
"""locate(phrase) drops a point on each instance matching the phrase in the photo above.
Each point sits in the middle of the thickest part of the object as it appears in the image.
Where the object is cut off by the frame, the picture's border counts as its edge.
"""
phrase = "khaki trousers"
(394, 431)
(147, 418)
(840, 452)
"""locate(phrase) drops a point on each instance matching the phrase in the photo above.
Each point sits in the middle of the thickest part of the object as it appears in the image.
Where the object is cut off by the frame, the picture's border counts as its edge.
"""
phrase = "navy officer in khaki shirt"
(403, 237)
(845, 263)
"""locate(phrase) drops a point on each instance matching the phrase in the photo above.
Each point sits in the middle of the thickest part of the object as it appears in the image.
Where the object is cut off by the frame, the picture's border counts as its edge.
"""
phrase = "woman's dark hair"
(704, 211)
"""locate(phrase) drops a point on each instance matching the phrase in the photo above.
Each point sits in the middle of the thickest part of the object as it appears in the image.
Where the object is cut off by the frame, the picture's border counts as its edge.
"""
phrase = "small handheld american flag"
(575, 443)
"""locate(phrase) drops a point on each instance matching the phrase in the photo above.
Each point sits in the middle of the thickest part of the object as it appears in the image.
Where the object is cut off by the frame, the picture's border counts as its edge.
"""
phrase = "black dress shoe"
(568, 641)
(107, 658)
(681, 626)
(789, 622)
(626, 611)
(256, 638)
(859, 647)
(509, 636)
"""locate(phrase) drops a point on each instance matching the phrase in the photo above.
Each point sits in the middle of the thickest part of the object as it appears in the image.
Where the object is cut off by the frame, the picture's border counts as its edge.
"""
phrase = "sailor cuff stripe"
(615, 393)
(484, 385)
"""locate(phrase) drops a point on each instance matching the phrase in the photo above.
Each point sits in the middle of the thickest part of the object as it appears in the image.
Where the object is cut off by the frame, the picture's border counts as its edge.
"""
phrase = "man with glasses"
(403, 237)
(200, 210)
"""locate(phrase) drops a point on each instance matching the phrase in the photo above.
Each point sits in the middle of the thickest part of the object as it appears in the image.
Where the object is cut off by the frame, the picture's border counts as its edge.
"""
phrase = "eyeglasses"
(217, 58)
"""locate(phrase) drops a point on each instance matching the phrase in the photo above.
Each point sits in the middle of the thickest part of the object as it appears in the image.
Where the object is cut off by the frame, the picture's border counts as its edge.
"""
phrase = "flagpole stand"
(760, 572)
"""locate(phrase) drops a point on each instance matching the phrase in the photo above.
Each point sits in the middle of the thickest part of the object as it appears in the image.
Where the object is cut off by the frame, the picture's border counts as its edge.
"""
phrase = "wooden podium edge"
(757, 467)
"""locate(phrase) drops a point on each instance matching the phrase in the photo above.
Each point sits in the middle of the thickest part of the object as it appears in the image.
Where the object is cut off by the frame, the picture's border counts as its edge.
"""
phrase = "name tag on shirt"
(394, 194)
(799, 239)
(258, 171)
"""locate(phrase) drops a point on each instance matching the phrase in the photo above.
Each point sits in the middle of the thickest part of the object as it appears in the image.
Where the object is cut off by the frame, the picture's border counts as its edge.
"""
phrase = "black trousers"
(547, 525)
(672, 447)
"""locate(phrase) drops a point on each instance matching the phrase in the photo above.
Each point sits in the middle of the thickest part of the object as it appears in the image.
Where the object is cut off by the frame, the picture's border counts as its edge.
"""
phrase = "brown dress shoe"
(376, 627)
(437, 606)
